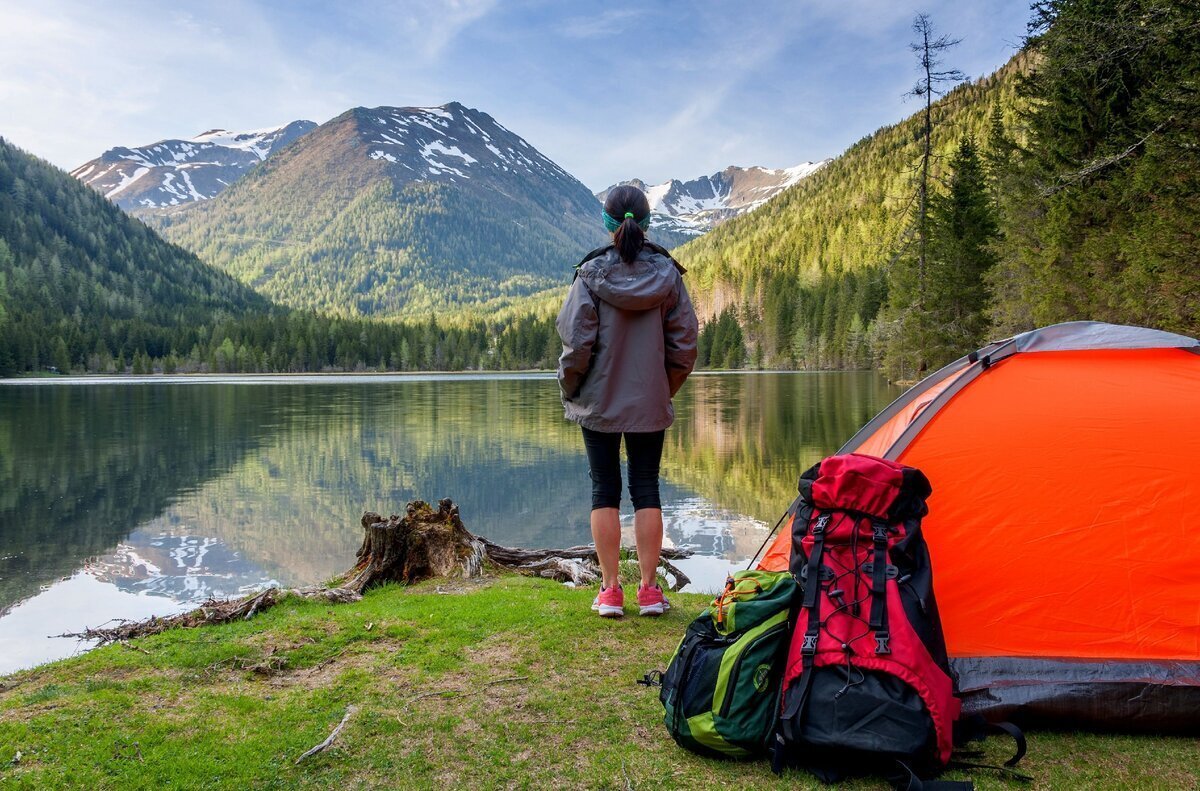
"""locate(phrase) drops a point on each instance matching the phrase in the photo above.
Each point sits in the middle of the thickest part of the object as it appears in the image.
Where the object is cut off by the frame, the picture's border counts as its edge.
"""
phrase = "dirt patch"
(451, 587)
(493, 652)
(358, 655)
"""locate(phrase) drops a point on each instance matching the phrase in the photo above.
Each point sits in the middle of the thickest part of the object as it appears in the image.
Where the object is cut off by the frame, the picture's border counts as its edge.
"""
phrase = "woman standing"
(629, 343)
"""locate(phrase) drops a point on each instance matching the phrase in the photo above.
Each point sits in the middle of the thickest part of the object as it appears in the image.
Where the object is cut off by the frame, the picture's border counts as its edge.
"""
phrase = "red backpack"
(867, 685)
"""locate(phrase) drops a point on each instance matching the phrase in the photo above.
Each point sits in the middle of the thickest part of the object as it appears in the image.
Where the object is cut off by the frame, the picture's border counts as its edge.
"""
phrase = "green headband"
(612, 224)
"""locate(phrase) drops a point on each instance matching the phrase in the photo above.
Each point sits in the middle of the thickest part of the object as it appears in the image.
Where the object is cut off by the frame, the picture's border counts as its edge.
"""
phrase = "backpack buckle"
(879, 531)
(881, 643)
(810, 644)
(825, 574)
(819, 526)
(889, 571)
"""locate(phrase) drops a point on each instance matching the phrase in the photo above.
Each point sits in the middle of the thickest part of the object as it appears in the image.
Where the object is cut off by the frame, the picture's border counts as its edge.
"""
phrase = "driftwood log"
(422, 544)
(213, 611)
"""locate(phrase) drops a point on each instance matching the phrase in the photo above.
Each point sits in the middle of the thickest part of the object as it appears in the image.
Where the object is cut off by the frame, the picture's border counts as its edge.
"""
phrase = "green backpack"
(721, 690)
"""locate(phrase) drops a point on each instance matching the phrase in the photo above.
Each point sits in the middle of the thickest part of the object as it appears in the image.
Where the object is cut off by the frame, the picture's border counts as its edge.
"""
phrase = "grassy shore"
(505, 683)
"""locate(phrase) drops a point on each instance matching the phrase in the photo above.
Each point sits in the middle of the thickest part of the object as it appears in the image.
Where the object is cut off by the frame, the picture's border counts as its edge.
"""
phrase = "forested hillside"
(86, 288)
(1100, 211)
(1065, 186)
(78, 276)
(806, 274)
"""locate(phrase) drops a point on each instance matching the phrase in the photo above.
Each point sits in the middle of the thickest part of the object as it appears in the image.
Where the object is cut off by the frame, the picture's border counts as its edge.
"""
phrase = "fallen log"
(422, 544)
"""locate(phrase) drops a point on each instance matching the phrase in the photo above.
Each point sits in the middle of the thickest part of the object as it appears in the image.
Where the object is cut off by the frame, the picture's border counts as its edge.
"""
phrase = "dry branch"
(329, 739)
(213, 611)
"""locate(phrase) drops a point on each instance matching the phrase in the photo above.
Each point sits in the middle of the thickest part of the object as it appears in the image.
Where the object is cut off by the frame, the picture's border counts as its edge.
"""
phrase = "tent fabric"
(1064, 523)
(1080, 335)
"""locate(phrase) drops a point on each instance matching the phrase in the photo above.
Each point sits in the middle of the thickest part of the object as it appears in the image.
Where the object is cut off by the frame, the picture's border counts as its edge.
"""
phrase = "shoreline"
(334, 377)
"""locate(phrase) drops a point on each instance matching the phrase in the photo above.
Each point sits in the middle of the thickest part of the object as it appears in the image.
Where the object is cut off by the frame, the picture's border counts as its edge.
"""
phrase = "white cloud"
(702, 85)
(77, 78)
(601, 25)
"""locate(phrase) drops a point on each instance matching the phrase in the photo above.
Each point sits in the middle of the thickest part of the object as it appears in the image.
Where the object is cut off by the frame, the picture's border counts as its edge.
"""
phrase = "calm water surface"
(125, 499)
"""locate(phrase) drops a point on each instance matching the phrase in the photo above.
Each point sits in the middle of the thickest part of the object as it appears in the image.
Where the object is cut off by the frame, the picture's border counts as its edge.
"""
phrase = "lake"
(124, 498)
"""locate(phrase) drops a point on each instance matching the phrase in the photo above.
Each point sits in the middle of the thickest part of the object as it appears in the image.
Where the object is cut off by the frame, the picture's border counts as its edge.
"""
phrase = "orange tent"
(1064, 525)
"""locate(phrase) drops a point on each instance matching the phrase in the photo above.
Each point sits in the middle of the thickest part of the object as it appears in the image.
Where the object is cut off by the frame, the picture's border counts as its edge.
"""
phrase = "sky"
(653, 90)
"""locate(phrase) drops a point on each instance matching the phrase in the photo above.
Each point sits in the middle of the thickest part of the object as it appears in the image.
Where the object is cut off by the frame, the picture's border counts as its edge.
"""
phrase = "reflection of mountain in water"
(182, 568)
(277, 475)
(695, 523)
(502, 450)
(80, 467)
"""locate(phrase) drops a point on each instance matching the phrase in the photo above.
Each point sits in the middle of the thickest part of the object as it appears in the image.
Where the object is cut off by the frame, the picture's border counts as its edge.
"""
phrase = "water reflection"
(170, 494)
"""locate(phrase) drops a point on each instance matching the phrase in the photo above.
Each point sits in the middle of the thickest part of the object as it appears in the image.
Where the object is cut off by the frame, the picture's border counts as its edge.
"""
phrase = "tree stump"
(427, 543)
(423, 543)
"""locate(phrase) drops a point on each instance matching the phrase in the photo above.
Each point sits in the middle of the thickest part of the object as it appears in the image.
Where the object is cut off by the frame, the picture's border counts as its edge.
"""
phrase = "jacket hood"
(646, 283)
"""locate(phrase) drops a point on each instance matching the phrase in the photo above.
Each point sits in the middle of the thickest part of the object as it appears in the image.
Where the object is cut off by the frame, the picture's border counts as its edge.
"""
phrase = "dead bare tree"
(934, 81)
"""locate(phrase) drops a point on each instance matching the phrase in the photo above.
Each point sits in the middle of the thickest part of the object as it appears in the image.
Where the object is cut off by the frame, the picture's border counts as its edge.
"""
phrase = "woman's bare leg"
(606, 532)
(648, 530)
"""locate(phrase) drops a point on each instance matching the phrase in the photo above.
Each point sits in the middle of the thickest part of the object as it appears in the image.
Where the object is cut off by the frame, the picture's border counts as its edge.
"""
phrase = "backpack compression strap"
(907, 780)
(879, 577)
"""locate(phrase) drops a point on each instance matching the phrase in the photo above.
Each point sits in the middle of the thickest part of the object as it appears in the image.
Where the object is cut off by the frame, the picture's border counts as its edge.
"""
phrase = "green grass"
(509, 683)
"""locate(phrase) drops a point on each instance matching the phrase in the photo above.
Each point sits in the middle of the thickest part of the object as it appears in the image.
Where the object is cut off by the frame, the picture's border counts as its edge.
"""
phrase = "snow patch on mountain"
(452, 142)
(178, 172)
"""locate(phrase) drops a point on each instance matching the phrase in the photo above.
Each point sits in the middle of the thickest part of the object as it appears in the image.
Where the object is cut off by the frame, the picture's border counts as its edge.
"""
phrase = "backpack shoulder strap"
(658, 248)
(599, 251)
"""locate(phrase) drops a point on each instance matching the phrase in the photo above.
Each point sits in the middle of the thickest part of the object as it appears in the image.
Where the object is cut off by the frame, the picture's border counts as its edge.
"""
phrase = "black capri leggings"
(644, 451)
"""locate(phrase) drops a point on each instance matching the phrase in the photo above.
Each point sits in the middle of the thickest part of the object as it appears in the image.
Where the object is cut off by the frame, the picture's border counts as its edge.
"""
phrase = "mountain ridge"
(806, 273)
(683, 210)
(177, 172)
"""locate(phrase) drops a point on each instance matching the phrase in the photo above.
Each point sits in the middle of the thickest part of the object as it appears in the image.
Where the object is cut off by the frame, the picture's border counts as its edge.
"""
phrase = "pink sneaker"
(610, 602)
(651, 601)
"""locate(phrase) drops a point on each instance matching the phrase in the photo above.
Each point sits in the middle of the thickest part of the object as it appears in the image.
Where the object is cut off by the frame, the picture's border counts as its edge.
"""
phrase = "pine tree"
(962, 229)
(928, 48)
(60, 356)
(1101, 222)
(909, 319)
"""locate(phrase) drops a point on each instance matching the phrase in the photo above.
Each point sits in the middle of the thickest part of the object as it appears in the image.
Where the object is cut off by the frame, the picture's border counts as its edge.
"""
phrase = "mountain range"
(178, 173)
(397, 210)
(682, 210)
(74, 269)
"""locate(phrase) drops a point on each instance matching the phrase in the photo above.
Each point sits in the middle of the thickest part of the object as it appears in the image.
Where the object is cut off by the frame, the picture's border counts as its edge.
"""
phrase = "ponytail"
(629, 239)
(629, 233)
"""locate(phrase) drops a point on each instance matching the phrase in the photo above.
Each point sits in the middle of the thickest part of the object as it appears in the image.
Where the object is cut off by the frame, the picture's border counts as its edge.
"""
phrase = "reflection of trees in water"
(742, 441)
(281, 473)
(499, 448)
(80, 467)
(502, 450)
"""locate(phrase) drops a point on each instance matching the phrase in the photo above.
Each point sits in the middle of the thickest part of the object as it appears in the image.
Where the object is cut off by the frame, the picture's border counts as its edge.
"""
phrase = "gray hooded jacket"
(629, 342)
